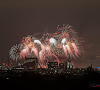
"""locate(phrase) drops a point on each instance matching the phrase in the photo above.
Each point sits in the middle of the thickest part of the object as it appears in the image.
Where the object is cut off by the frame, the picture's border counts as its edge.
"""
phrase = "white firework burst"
(14, 52)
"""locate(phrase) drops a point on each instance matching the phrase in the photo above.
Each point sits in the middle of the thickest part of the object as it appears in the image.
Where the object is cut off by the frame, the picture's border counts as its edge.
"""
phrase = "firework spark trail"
(75, 49)
(63, 42)
(34, 50)
(53, 41)
(65, 50)
(15, 51)
(37, 41)
(24, 53)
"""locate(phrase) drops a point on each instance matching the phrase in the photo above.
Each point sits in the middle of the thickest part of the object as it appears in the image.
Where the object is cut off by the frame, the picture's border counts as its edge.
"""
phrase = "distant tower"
(1, 62)
(8, 62)
(69, 65)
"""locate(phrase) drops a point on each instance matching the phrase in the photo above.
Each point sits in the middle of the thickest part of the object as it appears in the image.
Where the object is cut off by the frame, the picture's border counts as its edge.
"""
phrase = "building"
(52, 65)
(98, 68)
(61, 66)
(30, 63)
(69, 65)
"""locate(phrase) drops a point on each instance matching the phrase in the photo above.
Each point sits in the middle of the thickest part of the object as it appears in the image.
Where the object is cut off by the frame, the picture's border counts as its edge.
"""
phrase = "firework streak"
(49, 47)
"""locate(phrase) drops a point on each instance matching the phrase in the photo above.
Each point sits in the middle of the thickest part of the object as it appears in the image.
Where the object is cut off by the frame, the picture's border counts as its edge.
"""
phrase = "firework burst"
(15, 51)
(63, 42)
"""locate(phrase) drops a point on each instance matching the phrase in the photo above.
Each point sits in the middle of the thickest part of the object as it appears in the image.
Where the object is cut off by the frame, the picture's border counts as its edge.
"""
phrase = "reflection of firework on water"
(63, 42)
(15, 51)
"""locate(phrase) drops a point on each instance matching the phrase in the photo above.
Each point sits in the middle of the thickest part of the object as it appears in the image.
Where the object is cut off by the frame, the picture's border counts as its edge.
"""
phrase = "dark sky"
(19, 18)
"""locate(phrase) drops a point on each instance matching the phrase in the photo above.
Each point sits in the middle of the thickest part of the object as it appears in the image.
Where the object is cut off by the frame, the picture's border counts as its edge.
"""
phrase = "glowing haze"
(63, 42)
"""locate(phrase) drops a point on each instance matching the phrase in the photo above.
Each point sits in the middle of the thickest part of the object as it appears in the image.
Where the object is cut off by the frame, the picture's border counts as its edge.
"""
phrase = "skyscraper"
(69, 65)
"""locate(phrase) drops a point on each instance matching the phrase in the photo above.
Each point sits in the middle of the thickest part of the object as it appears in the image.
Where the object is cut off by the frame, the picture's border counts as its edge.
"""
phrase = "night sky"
(19, 18)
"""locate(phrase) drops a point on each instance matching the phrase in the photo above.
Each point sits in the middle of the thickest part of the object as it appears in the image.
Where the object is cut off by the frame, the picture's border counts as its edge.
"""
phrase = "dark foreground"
(31, 81)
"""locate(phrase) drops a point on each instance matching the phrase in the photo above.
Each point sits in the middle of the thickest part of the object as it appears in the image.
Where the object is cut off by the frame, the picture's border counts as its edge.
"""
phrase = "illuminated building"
(30, 63)
(61, 65)
(53, 65)
(69, 65)
(98, 68)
